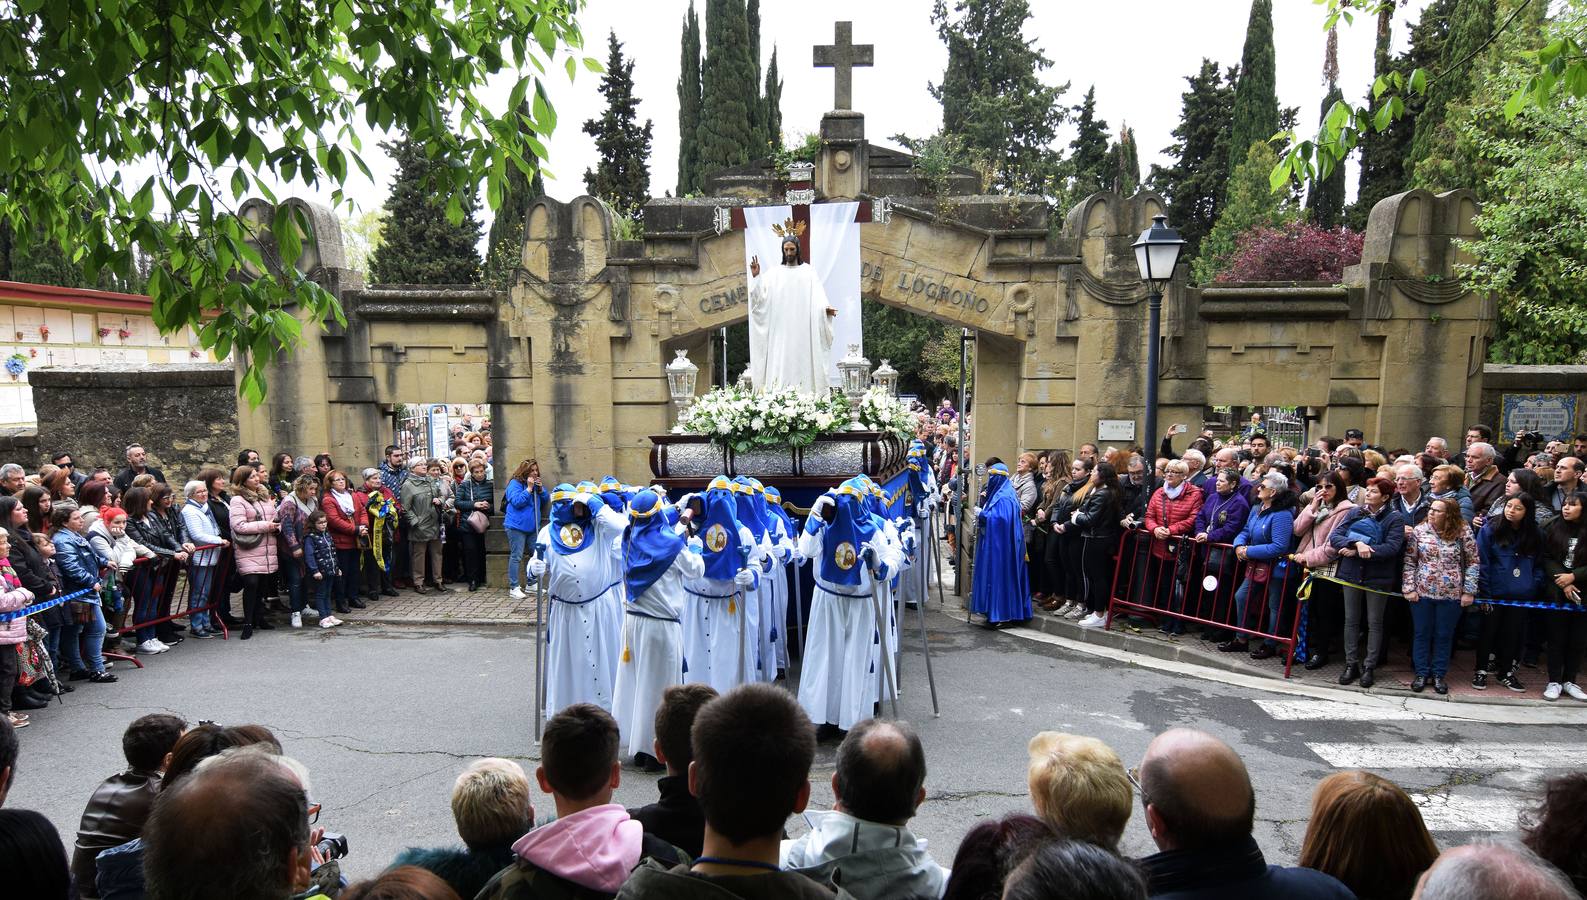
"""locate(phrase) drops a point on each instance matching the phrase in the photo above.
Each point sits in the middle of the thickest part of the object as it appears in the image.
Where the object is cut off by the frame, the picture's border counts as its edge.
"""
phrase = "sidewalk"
(455, 605)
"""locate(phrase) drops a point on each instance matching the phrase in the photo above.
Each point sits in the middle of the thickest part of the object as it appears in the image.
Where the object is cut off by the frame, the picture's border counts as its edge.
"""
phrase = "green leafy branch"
(220, 99)
(1559, 71)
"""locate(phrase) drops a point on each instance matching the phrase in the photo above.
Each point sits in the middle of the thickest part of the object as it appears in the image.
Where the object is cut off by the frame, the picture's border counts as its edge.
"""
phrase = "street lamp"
(681, 376)
(1156, 254)
(856, 372)
(886, 378)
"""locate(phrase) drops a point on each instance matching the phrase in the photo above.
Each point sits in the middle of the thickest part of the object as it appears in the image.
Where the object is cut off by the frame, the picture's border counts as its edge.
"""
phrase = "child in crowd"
(319, 558)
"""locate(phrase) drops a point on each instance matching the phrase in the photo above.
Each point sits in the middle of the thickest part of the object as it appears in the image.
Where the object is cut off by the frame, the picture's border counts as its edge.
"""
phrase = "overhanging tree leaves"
(1555, 72)
(220, 99)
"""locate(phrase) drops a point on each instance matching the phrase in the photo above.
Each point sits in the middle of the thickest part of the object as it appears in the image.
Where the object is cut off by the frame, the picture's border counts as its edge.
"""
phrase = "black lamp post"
(1156, 253)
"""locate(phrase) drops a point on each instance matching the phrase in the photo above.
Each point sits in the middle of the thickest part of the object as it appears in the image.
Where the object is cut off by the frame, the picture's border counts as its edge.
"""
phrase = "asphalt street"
(385, 717)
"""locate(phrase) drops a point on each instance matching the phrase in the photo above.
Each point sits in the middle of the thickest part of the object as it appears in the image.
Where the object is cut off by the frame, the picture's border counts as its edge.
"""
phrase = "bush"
(1295, 252)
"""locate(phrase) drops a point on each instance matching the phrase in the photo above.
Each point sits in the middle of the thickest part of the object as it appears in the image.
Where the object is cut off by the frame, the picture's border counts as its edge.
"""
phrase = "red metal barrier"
(170, 588)
(1172, 588)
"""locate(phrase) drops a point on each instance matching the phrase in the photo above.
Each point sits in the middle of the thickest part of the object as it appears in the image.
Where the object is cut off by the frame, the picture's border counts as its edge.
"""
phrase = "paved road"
(384, 716)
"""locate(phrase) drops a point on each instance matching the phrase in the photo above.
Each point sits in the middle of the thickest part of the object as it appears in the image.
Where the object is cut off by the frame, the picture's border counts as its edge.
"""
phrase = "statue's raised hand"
(754, 266)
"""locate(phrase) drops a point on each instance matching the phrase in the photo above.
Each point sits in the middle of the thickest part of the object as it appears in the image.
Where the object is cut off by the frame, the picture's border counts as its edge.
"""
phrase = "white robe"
(651, 659)
(790, 333)
(585, 621)
(839, 682)
(713, 619)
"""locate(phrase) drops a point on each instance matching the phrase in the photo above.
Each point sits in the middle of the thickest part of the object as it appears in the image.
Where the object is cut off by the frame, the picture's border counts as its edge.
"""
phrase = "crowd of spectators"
(212, 811)
(147, 563)
(1476, 550)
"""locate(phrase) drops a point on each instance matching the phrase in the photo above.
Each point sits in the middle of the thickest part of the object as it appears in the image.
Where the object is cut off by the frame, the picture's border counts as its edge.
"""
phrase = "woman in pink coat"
(1325, 608)
(253, 536)
(13, 596)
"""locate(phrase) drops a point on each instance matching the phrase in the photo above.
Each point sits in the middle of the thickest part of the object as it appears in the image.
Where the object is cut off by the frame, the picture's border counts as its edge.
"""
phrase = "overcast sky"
(1136, 52)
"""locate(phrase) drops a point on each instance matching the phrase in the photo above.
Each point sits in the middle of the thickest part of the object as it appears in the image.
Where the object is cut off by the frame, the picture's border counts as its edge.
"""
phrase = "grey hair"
(192, 487)
(1278, 481)
(1491, 869)
(9, 469)
(1482, 448)
(369, 472)
(1188, 455)
(292, 767)
(302, 464)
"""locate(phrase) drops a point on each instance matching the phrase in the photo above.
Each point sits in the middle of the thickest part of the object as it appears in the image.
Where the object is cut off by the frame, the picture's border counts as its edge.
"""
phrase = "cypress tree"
(689, 107)
(993, 99)
(1470, 26)
(757, 111)
(727, 89)
(1124, 165)
(622, 177)
(1089, 150)
(421, 246)
(1194, 184)
(773, 101)
(1256, 115)
(1251, 204)
(1383, 153)
(1326, 199)
(504, 244)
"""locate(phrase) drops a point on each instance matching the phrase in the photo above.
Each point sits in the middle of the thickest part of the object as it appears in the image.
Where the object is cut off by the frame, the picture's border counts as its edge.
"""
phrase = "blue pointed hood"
(751, 507)
(649, 544)
(774, 507)
(718, 531)
(569, 533)
(852, 528)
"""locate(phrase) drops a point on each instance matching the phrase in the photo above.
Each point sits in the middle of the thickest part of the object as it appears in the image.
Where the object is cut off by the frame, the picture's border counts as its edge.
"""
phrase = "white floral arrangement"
(881, 411)
(742, 419)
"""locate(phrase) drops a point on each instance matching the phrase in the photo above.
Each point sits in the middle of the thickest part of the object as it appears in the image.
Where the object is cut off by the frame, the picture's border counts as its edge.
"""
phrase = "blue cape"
(750, 507)
(919, 474)
(850, 529)
(649, 544)
(719, 531)
(774, 508)
(570, 533)
(1001, 587)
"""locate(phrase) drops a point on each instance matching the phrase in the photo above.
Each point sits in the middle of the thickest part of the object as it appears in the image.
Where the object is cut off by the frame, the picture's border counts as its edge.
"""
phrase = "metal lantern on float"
(681, 377)
(856, 372)
(886, 378)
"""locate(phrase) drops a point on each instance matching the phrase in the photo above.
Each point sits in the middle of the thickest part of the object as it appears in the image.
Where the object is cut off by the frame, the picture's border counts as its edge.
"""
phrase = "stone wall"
(186, 418)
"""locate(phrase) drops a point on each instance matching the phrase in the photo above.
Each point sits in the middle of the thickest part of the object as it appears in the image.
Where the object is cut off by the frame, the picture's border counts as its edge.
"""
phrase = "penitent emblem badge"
(844, 556)
(572, 535)
(716, 538)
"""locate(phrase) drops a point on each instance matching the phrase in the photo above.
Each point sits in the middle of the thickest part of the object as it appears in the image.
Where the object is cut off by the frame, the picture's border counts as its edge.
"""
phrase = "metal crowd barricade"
(161, 590)
(1173, 589)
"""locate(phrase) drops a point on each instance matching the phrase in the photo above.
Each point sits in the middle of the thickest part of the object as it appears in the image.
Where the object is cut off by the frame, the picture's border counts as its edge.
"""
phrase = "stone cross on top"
(841, 56)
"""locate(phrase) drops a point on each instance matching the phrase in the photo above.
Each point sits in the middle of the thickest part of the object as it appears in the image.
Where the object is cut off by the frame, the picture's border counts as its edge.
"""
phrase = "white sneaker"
(1575, 692)
(1552, 691)
(1095, 620)
(297, 620)
(330, 622)
(1079, 612)
(151, 647)
(517, 593)
(1064, 610)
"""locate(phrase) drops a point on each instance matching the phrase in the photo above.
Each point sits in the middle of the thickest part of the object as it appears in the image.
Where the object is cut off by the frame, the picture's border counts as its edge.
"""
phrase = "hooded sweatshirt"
(870, 860)
(594, 848)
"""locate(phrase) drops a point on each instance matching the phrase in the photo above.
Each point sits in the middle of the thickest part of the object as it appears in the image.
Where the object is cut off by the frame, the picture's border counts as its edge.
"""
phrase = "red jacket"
(1178, 516)
(344, 529)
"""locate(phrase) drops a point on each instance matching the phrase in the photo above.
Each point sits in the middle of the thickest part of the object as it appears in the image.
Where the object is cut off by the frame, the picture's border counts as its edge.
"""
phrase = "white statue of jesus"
(790, 324)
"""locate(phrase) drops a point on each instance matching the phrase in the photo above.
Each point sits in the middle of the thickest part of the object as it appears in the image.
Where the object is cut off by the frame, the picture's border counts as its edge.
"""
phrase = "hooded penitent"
(1001, 589)
(850, 530)
(570, 532)
(649, 544)
(719, 531)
